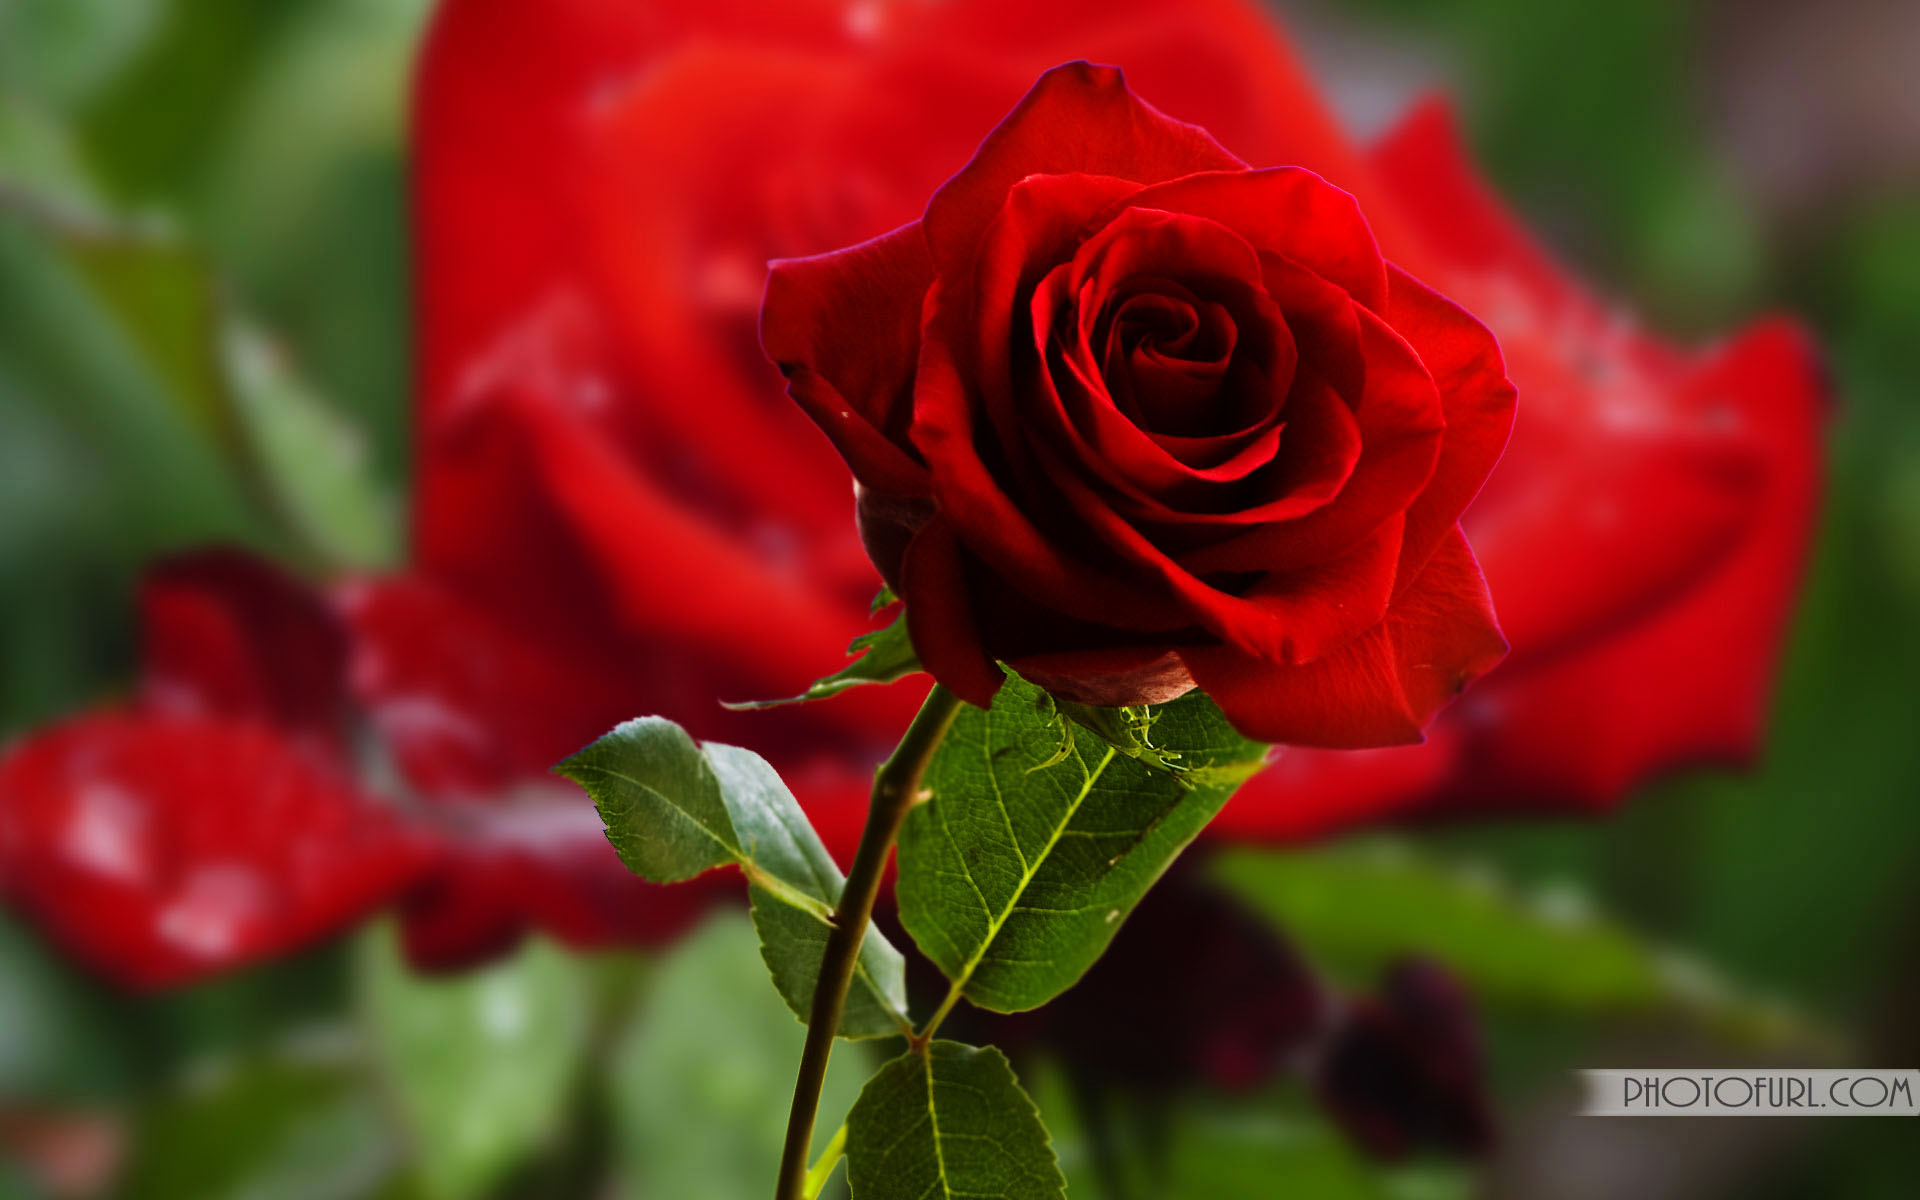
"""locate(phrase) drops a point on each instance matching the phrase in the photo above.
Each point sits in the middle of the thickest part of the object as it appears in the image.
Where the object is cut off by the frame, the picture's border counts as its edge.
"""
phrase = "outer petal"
(226, 634)
(1381, 688)
(164, 849)
(940, 615)
(1078, 119)
(1467, 369)
(1225, 65)
(1616, 495)
(1110, 678)
(845, 330)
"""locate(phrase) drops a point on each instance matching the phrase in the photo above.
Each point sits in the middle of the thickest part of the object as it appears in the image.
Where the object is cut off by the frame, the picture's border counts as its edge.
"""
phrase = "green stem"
(919, 1040)
(829, 1159)
(896, 786)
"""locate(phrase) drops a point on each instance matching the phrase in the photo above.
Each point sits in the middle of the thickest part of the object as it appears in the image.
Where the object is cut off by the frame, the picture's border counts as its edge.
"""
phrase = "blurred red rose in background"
(618, 511)
(1645, 530)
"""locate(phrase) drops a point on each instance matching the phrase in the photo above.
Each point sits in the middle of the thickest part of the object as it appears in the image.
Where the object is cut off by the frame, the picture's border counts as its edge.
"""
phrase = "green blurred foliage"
(265, 139)
(1356, 908)
(1799, 877)
(287, 1127)
(1583, 115)
(1211, 1148)
(702, 1078)
(276, 157)
(480, 1065)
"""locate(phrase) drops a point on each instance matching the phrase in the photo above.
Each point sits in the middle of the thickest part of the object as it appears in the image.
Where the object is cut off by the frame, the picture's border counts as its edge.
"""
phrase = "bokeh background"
(1702, 162)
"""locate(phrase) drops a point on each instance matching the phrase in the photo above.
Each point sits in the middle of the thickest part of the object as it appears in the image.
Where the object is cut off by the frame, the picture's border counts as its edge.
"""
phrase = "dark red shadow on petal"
(227, 634)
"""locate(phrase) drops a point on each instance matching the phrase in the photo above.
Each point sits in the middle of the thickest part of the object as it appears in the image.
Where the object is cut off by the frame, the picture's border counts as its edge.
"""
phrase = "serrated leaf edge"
(754, 874)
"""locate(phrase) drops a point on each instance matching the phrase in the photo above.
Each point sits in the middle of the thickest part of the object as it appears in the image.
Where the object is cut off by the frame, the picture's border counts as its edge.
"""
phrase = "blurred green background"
(262, 144)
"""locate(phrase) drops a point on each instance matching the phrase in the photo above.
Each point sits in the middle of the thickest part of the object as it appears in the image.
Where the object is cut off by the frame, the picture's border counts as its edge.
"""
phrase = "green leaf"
(306, 464)
(318, 461)
(701, 1080)
(481, 1065)
(1035, 843)
(949, 1121)
(883, 656)
(674, 809)
(1188, 736)
(162, 297)
(1357, 907)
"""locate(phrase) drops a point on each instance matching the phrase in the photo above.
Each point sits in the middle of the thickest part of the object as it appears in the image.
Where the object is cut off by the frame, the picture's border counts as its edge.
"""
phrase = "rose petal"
(1041, 225)
(163, 849)
(980, 512)
(1287, 211)
(467, 704)
(1313, 455)
(845, 329)
(1400, 417)
(225, 634)
(1579, 729)
(1306, 793)
(940, 617)
(1585, 728)
(1288, 616)
(1109, 678)
(541, 864)
(1382, 687)
(1610, 504)
(1466, 367)
(1085, 418)
(1078, 119)
(543, 521)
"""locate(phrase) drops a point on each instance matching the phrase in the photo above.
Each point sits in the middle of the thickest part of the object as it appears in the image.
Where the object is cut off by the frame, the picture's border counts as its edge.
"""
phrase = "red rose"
(1129, 415)
(609, 481)
(650, 159)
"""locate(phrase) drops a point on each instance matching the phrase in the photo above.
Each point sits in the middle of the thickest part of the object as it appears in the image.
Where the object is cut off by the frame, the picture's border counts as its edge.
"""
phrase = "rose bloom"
(617, 510)
(1131, 416)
